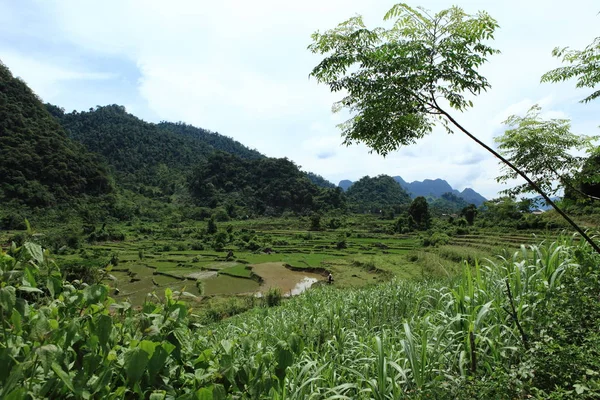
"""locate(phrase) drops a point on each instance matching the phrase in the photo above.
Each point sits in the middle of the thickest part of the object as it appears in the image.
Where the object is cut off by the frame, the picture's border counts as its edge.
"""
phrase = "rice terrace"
(156, 260)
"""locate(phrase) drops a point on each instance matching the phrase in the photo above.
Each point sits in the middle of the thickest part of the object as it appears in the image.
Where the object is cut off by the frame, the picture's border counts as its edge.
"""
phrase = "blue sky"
(241, 68)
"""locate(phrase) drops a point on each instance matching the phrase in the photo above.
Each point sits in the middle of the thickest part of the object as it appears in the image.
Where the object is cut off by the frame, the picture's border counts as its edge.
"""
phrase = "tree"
(469, 212)
(585, 66)
(419, 211)
(543, 150)
(315, 222)
(212, 228)
(400, 81)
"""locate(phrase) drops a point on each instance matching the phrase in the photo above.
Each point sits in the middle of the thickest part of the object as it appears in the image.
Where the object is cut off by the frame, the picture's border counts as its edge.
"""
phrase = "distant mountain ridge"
(430, 188)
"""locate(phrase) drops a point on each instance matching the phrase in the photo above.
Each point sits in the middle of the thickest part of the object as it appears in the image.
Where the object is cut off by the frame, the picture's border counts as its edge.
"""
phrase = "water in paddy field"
(303, 285)
(276, 275)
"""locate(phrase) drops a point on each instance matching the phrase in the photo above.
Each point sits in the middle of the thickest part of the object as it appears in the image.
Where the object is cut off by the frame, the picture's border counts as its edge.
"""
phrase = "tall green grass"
(427, 338)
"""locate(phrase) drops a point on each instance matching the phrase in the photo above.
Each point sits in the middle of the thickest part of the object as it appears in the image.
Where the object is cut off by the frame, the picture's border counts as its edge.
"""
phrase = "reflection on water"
(301, 286)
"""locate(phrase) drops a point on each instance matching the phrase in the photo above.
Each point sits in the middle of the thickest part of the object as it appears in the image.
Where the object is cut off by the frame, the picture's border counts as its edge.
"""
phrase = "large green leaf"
(17, 394)
(204, 394)
(48, 354)
(7, 298)
(35, 251)
(15, 320)
(136, 361)
(103, 329)
(65, 377)
(159, 358)
(95, 294)
(284, 358)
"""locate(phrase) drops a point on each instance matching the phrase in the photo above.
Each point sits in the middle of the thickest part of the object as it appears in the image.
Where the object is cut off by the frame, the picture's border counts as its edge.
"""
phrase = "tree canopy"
(39, 165)
(400, 81)
(584, 66)
(543, 149)
(396, 78)
(266, 186)
(375, 194)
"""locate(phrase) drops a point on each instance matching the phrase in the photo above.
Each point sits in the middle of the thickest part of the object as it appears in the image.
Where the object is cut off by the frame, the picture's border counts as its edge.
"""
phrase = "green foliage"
(264, 186)
(39, 165)
(585, 67)
(394, 77)
(448, 203)
(566, 348)
(315, 222)
(469, 212)
(211, 228)
(435, 239)
(273, 297)
(541, 149)
(372, 195)
(320, 181)
(419, 212)
(61, 340)
(585, 185)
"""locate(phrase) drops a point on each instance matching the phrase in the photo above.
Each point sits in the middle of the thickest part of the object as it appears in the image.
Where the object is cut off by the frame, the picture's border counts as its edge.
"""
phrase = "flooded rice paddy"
(135, 280)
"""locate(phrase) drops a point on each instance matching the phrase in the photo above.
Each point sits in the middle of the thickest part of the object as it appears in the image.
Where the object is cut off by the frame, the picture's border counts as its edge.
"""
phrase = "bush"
(212, 228)
(437, 238)
(198, 246)
(566, 350)
(221, 215)
(315, 222)
(334, 223)
(273, 297)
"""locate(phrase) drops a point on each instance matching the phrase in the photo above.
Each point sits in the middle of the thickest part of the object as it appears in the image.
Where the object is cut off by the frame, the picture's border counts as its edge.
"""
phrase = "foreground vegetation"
(524, 324)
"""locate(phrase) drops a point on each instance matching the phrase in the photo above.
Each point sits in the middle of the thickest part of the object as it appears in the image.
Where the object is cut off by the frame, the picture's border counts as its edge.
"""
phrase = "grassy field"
(183, 257)
(402, 320)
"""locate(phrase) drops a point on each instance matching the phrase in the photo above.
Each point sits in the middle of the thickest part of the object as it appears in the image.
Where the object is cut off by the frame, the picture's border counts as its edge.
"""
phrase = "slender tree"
(544, 150)
(399, 82)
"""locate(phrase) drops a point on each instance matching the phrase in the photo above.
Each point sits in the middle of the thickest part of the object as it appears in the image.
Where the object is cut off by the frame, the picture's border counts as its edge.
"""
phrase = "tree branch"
(522, 174)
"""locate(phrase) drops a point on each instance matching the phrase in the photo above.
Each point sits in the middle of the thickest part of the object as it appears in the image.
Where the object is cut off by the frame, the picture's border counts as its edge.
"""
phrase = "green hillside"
(39, 165)
(266, 186)
(213, 140)
(375, 194)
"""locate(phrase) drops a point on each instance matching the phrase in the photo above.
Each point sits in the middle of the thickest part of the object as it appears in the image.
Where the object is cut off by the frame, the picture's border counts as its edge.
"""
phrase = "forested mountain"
(425, 188)
(39, 165)
(215, 140)
(471, 196)
(319, 180)
(432, 188)
(374, 194)
(138, 151)
(345, 184)
(447, 203)
(265, 186)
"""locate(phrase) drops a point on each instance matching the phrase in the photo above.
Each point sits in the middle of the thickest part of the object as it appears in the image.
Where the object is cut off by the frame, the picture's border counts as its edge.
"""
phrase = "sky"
(241, 68)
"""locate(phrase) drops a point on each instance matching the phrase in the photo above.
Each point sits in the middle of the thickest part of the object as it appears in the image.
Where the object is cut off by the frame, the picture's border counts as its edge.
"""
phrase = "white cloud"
(241, 68)
(45, 76)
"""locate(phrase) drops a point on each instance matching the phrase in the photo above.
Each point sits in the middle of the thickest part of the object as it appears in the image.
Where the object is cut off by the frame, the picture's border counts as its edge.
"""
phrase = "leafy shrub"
(334, 223)
(315, 222)
(212, 228)
(198, 246)
(221, 215)
(273, 297)
(435, 239)
(566, 351)
(106, 235)
(253, 245)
